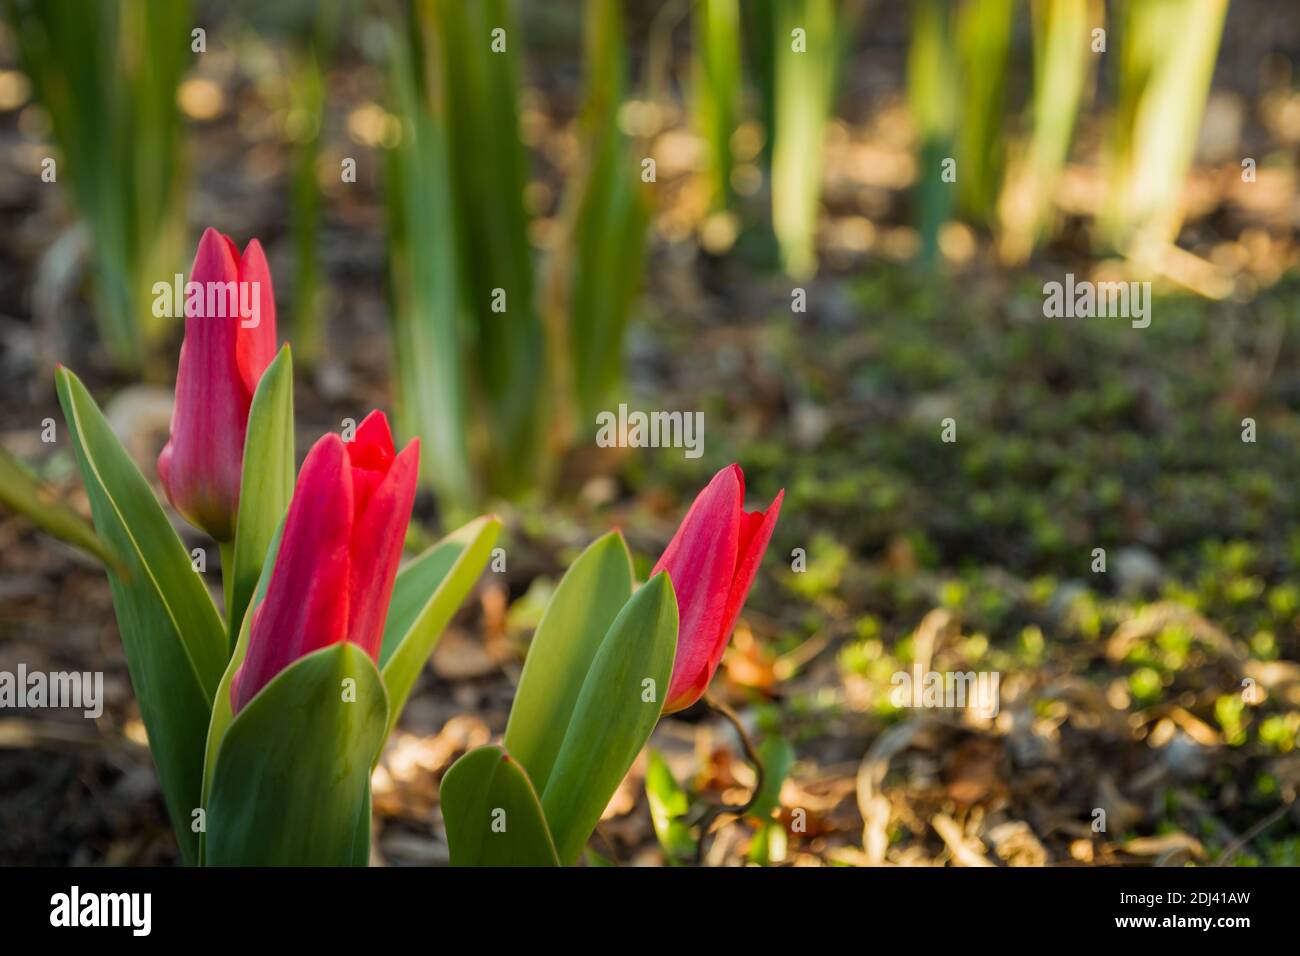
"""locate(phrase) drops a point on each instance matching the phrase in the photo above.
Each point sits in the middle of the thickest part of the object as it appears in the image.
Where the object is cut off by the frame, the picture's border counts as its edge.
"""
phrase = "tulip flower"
(229, 341)
(338, 557)
(712, 560)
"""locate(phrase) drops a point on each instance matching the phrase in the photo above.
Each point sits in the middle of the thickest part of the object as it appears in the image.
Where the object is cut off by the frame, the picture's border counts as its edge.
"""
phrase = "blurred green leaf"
(107, 74)
(307, 89)
(492, 814)
(308, 34)
(932, 98)
(983, 41)
(489, 168)
(430, 349)
(1161, 96)
(805, 85)
(1062, 65)
(777, 756)
(768, 843)
(716, 82)
(669, 805)
(606, 240)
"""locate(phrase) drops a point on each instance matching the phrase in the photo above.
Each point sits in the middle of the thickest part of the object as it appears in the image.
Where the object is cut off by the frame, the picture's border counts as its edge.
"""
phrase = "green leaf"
(769, 843)
(490, 168)
(430, 352)
(717, 80)
(777, 756)
(222, 711)
(1062, 69)
(107, 75)
(361, 842)
(669, 805)
(266, 485)
(982, 36)
(291, 781)
(173, 636)
(615, 712)
(804, 102)
(23, 492)
(425, 596)
(1159, 102)
(589, 597)
(492, 814)
(933, 92)
(610, 215)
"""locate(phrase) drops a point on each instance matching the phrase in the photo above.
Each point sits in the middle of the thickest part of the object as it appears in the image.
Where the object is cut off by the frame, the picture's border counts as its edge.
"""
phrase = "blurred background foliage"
(508, 378)
(826, 224)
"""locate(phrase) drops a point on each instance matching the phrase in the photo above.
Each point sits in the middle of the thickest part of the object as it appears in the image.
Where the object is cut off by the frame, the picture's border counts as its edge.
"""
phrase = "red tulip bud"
(338, 557)
(229, 341)
(712, 560)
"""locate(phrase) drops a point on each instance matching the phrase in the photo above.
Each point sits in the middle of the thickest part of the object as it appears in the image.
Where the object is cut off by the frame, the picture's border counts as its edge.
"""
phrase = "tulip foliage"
(605, 663)
(265, 725)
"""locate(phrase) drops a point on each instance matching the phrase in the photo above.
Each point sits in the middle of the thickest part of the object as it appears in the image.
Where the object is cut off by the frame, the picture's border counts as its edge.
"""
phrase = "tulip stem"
(751, 754)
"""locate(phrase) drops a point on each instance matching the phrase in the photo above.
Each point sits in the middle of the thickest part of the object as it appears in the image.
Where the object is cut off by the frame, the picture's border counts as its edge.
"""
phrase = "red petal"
(203, 469)
(755, 533)
(306, 603)
(256, 344)
(701, 561)
(371, 455)
(377, 540)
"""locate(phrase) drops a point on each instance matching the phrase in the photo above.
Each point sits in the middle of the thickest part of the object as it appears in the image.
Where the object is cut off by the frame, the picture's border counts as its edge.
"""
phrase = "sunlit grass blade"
(477, 59)
(982, 40)
(716, 79)
(932, 91)
(810, 36)
(429, 351)
(599, 263)
(1062, 66)
(1167, 51)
